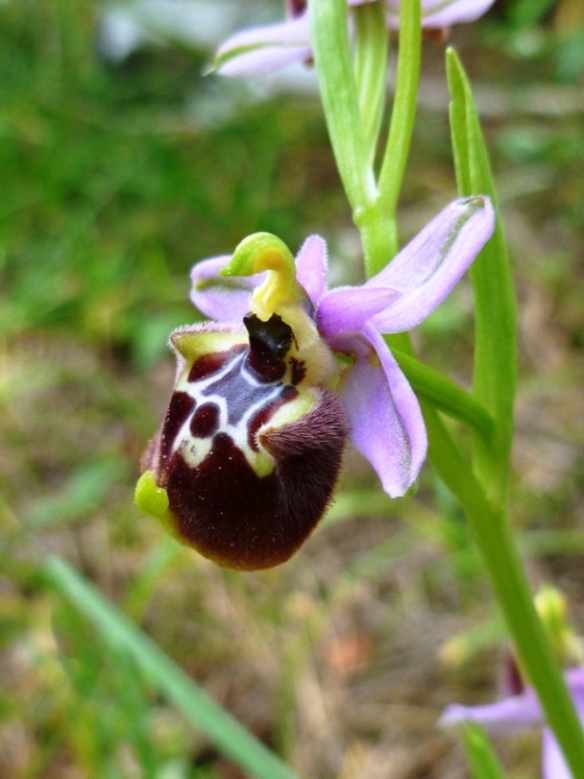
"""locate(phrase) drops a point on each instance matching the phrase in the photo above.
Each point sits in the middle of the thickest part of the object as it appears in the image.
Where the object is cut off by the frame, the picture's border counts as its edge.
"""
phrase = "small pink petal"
(311, 267)
(272, 47)
(511, 713)
(553, 763)
(438, 14)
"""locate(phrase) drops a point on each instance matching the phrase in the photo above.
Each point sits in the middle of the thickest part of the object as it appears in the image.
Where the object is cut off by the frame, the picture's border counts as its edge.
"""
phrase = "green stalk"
(342, 107)
(483, 761)
(495, 541)
(377, 224)
(378, 238)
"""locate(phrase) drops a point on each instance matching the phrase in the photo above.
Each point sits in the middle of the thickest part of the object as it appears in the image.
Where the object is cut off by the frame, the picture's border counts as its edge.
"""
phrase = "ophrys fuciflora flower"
(247, 457)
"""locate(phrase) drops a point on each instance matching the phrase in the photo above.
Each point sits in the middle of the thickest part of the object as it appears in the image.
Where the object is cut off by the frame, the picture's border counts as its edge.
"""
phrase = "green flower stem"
(378, 238)
(495, 541)
(370, 63)
(403, 113)
(332, 55)
(483, 761)
(121, 633)
(377, 223)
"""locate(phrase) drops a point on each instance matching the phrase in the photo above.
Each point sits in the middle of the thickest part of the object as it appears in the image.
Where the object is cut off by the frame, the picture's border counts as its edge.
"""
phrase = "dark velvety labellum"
(243, 491)
(205, 421)
(244, 521)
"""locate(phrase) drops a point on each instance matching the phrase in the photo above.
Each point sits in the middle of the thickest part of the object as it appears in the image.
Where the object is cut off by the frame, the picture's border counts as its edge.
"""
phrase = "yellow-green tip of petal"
(260, 252)
(151, 498)
(265, 252)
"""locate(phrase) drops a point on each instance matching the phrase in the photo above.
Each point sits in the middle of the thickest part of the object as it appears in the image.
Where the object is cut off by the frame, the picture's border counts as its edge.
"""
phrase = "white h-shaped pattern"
(194, 449)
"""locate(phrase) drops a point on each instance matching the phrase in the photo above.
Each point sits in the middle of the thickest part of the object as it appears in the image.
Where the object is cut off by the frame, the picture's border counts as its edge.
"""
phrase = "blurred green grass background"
(115, 179)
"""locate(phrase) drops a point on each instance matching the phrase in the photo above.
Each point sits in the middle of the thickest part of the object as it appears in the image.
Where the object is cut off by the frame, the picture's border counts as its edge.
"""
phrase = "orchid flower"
(248, 455)
(521, 711)
(272, 47)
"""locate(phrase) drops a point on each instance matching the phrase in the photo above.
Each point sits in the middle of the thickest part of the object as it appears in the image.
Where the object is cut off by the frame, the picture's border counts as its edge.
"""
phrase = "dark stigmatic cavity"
(269, 343)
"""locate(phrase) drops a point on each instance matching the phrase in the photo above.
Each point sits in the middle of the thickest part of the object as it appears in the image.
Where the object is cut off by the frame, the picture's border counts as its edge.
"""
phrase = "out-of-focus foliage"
(114, 184)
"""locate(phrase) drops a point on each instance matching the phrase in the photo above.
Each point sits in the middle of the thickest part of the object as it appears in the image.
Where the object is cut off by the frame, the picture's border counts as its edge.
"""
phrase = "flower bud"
(552, 608)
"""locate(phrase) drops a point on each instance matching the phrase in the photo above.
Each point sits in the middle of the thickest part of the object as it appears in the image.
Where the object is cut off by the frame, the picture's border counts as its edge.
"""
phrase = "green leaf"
(484, 763)
(122, 635)
(371, 50)
(495, 368)
(332, 55)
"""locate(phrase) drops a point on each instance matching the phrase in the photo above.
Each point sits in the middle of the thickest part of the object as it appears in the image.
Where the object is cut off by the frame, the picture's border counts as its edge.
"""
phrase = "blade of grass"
(117, 630)
(483, 761)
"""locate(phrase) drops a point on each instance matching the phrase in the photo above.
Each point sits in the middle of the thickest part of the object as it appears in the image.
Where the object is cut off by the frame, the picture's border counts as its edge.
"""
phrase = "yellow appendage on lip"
(153, 500)
(281, 294)
(265, 252)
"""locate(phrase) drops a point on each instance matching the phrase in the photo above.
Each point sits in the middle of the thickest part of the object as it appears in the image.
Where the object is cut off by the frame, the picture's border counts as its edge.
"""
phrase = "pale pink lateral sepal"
(223, 299)
(433, 262)
(385, 420)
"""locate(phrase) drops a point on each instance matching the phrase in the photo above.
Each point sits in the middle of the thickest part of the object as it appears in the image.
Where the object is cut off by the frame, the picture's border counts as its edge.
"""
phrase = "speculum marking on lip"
(227, 397)
(208, 364)
(240, 389)
(205, 421)
(266, 413)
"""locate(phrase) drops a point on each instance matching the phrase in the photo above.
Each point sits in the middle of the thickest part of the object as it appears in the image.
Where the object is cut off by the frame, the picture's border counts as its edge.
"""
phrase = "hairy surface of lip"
(246, 521)
(242, 489)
